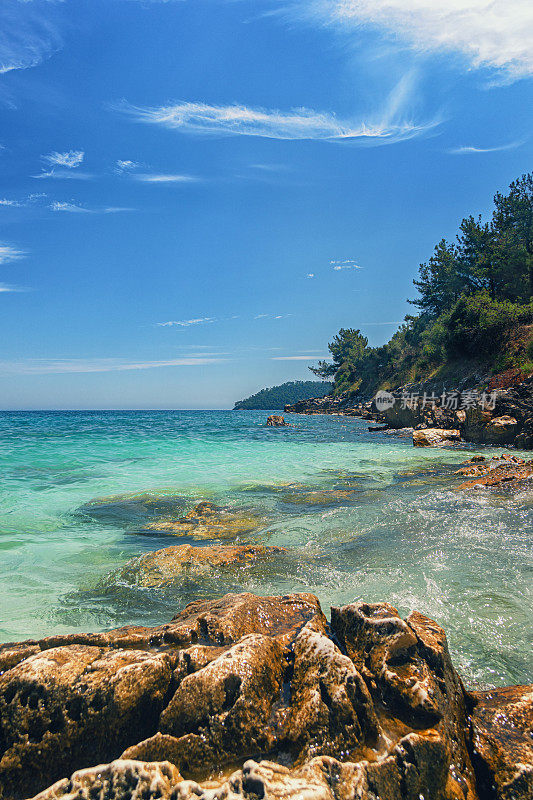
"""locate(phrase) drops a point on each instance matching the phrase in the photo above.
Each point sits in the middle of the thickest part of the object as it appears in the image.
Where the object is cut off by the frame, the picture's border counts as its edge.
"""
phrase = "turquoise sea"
(363, 516)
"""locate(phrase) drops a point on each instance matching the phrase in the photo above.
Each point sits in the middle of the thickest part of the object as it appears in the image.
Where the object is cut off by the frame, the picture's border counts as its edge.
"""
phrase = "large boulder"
(435, 437)
(502, 737)
(256, 697)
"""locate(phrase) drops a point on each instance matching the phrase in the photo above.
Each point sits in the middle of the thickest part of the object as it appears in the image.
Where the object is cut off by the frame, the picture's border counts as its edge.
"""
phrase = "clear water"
(396, 531)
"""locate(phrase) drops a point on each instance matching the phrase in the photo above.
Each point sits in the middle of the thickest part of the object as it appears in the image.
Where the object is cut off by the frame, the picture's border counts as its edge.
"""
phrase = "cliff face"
(366, 706)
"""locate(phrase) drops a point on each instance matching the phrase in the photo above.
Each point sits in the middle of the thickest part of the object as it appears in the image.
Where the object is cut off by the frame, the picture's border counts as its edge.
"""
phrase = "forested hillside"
(277, 397)
(474, 305)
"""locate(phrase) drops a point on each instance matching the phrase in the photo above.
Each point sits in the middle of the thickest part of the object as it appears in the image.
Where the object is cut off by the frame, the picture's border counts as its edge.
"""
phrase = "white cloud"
(74, 208)
(71, 208)
(125, 166)
(10, 253)
(164, 178)
(6, 287)
(57, 366)
(296, 358)
(31, 199)
(185, 323)
(27, 35)
(346, 264)
(11, 203)
(470, 149)
(71, 159)
(297, 124)
(488, 33)
(310, 275)
(64, 174)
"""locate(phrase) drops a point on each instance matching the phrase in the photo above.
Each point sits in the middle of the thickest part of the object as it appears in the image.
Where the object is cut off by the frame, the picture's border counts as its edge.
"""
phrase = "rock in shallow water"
(366, 707)
(163, 567)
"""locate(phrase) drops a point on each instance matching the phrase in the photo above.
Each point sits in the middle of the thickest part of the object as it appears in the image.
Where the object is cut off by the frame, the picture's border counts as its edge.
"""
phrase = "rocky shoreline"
(258, 697)
(507, 419)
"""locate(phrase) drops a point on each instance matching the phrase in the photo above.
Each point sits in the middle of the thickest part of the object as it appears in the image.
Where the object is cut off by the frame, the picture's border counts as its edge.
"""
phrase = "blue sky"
(197, 194)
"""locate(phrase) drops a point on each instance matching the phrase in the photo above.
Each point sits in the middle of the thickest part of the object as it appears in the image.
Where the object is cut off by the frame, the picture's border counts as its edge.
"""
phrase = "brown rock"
(369, 709)
(501, 430)
(505, 469)
(276, 421)
(502, 736)
(73, 706)
(435, 437)
(121, 780)
(162, 567)
(229, 702)
(208, 521)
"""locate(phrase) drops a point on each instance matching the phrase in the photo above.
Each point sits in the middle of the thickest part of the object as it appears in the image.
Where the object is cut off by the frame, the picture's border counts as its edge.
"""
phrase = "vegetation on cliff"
(475, 301)
(277, 397)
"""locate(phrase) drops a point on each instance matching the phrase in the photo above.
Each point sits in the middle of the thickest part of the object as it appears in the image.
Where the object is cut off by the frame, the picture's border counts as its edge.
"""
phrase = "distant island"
(277, 397)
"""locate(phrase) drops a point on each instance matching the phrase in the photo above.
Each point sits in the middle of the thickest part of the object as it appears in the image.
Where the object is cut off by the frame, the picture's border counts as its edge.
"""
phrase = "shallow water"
(363, 516)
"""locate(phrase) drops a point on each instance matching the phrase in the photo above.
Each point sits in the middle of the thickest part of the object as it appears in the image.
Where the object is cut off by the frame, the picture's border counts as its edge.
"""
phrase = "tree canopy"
(471, 293)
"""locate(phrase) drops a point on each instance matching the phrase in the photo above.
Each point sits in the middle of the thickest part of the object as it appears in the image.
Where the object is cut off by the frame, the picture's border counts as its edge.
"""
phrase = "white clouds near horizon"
(60, 366)
(486, 33)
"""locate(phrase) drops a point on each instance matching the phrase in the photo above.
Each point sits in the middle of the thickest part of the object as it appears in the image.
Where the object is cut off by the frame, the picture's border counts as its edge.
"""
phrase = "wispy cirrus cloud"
(70, 159)
(471, 149)
(64, 165)
(74, 208)
(125, 165)
(81, 365)
(28, 35)
(296, 124)
(348, 263)
(164, 178)
(64, 174)
(297, 358)
(185, 323)
(10, 253)
(485, 33)
(29, 200)
(8, 287)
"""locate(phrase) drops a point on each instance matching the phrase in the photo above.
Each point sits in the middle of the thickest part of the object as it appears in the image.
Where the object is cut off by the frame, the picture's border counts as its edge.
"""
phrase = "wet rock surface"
(435, 437)
(257, 697)
(162, 567)
(511, 471)
(209, 521)
(276, 421)
(502, 737)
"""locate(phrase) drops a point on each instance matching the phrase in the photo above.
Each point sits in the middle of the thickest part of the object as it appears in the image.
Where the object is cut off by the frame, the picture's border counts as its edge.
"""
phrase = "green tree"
(348, 350)
(512, 223)
(439, 284)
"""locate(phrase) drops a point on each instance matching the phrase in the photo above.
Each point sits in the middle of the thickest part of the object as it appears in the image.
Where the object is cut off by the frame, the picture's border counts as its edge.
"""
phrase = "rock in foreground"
(254, 697)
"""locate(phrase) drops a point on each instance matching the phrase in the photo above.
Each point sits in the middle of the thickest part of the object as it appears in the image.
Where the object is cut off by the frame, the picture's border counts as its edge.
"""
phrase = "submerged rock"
(435, 437)
(323, 497)
(209, 521)
(163, 567)
(256, 697)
